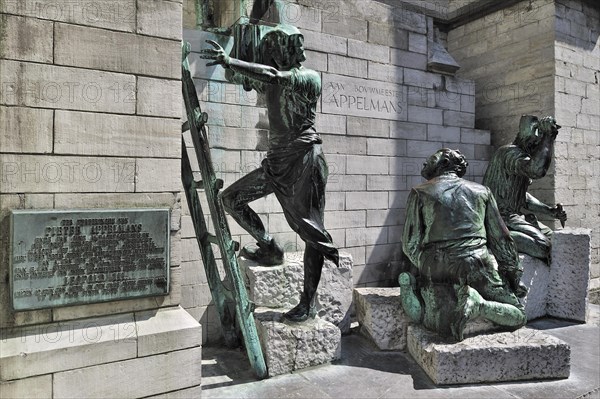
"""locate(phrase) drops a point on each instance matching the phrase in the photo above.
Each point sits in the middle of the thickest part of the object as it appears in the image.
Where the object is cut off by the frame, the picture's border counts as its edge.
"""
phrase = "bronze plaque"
(64, 258)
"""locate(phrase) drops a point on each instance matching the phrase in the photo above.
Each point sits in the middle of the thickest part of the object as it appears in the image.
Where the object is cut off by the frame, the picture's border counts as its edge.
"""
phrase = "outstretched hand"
(217, 54)
(559, 213)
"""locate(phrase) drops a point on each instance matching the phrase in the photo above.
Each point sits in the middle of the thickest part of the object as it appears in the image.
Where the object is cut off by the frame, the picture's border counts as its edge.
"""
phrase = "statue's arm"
(259, 72)
(499, 240)
(413, 229)
(536, 206)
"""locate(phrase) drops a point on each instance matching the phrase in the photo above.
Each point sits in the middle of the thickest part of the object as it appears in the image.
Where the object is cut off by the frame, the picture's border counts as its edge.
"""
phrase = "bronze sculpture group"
(462, 237)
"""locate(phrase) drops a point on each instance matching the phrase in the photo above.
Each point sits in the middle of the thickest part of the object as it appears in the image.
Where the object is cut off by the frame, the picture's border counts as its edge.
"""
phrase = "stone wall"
(542, 57)
(577, 108)
(89, 118)
(374, 156)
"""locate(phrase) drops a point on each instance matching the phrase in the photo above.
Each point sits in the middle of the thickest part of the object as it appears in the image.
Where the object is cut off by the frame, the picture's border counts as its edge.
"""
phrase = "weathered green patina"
(295, 169)
(509, 174)
(467, 264)
(230, 302)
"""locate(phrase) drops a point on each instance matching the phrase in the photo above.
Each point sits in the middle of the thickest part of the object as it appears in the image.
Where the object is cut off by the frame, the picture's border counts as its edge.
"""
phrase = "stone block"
(325, 43)
(385, 72)
(462, 119)
(536, 277)
(569, 274)
(443, 133)
(381, 318)
(524, 354)
(316, 61)
(280, 286)
(159, 97)
(425, 115)
(294, 346)
(417, 43)
(421, 79)
(100, 13)
(389, 147)
(50, 348)
(159, 18)
(387, 35)
(166, 330)
(18, 41)
(344, 26)
(133, 378)
(27, 388)
(26, 129)
(408, 59)
(368, 127)
(346, 66)
(368, 165)
(85, 133)
(187, 393)
(475, 136)
(147, 170)
(116, 51)
(366, 200)
(58, 87)
(407, 130)
(43, 173)
(368, 51)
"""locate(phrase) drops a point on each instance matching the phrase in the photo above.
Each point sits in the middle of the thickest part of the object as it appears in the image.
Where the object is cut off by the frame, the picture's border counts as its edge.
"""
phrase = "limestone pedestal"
(561, 289)
(279, 287)
(129, 355)
(381, 318)
(524, 354)
(289, 346)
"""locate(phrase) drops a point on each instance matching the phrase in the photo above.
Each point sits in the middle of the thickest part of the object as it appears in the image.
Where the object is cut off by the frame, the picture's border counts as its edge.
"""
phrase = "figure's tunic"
(450, 223)
(295, 164)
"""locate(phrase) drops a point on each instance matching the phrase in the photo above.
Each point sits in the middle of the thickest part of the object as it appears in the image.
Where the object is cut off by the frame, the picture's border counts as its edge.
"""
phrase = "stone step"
(525, 354)
(290, 346)
(279, 287)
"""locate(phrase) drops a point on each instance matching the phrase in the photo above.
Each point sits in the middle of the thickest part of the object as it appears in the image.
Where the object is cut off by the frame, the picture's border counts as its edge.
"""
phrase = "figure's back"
(505, 180)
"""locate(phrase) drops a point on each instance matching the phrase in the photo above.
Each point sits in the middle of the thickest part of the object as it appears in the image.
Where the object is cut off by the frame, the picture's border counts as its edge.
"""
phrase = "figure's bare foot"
(468, 307)
(269, 254)
(410, 301)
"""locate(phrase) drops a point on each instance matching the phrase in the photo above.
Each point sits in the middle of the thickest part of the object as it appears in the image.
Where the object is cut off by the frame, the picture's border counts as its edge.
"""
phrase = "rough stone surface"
(569, 274)
(280, 287)
(381, 318)
(536, 277)
(27, 388)
(293, 346)
(524, 354)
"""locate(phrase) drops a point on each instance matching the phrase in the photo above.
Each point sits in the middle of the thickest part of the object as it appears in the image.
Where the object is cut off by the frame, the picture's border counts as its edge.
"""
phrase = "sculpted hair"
(452, 160)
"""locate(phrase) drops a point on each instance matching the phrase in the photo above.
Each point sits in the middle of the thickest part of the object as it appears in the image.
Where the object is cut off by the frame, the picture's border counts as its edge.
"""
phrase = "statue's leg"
(411, 302)
(313, 265)
(235, 200)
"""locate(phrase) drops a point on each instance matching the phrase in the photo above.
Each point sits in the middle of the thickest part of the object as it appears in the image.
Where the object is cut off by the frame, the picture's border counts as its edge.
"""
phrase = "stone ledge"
(280, 286)
(524, 354)
(289, 346)
(73, 345)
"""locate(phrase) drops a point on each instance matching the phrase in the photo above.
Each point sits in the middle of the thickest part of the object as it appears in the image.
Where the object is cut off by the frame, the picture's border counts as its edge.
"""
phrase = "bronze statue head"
(444, 161)
(284, 46)
(533, 130)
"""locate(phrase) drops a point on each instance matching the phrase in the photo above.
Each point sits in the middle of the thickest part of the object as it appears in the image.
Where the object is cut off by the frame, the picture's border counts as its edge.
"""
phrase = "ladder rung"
(213, 239)
(185, 127)
(235, 245)
(219, 184)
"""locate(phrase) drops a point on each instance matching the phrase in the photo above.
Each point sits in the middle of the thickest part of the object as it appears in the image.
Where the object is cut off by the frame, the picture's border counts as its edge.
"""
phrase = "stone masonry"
(90, 117)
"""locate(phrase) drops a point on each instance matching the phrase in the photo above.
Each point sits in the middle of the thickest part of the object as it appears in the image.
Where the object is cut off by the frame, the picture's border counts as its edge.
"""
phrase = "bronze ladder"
(221, 294)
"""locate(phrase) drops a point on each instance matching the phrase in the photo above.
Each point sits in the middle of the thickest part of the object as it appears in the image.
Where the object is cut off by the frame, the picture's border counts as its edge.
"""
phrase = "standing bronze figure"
(510, 172)
(294, 169)
(467, 263)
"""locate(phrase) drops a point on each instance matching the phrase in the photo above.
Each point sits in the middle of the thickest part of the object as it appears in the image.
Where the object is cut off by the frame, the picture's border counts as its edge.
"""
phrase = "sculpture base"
(381, 318)
(524, 354)
(290, 346)
(279, 287)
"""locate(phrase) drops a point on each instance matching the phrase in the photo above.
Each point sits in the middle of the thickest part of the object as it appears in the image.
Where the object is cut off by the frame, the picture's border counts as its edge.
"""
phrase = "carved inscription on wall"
(74, 257)
(344, 95)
